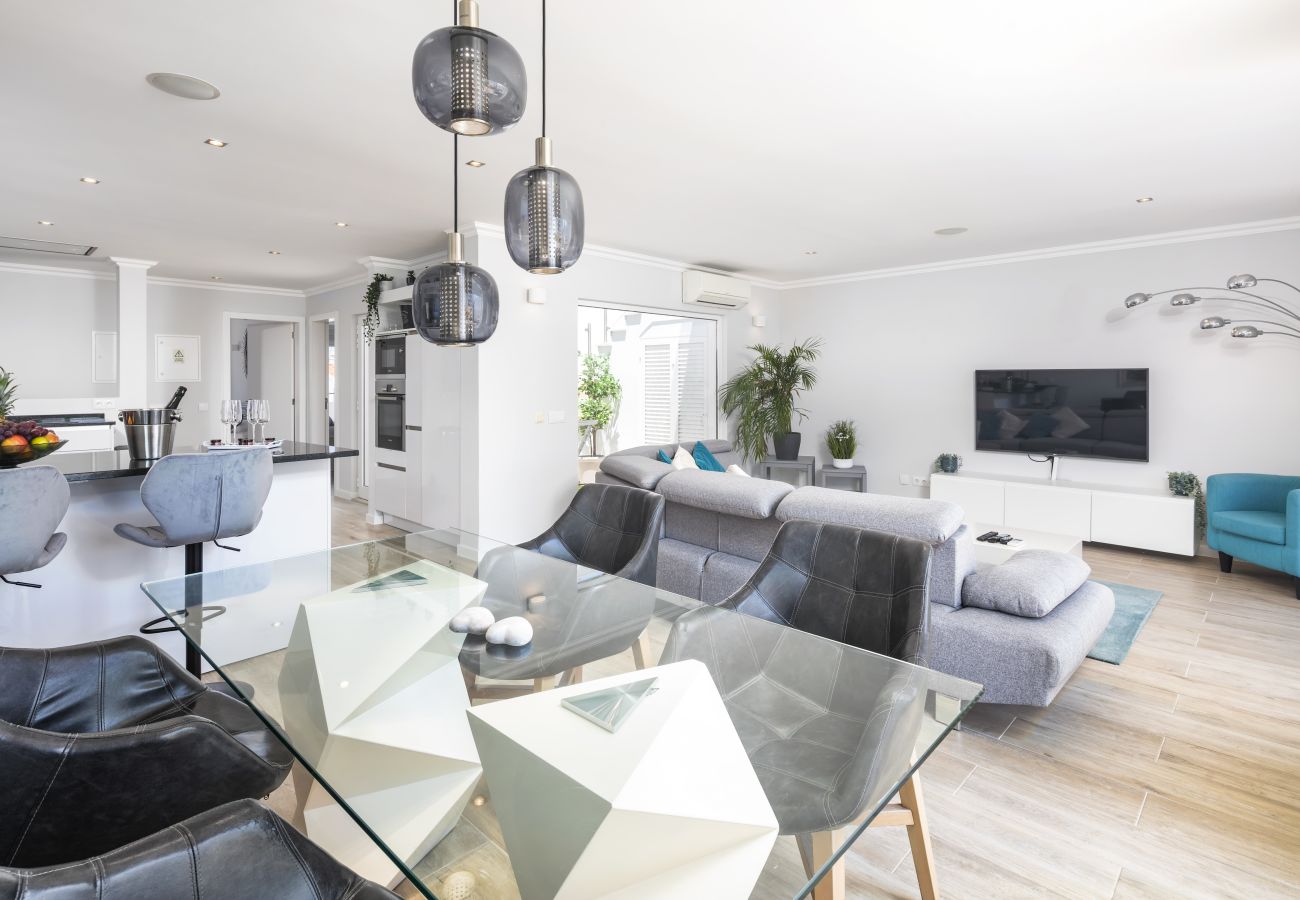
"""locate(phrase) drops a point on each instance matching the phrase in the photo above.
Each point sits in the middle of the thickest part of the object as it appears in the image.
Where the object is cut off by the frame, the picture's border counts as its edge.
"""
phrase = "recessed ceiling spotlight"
(810, 253)
(476, 163)
(340, 224)
(949, 232)
(216, 142)
(89, 180)
(1145, 199)
(186, 87)
(273, 252)
(216, 277)
(43, 222)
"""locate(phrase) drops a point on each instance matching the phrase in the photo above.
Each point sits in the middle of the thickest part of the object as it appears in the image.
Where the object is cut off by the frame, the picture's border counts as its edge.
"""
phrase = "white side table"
(996, 554)
(667, 806)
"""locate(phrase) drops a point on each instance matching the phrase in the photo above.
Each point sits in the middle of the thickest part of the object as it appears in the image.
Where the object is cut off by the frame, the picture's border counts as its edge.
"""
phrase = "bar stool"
(198, 497)
(33, 502)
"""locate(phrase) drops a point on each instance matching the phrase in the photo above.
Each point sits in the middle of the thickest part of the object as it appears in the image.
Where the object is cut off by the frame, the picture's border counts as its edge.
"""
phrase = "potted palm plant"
(842, 441)
(762, 398)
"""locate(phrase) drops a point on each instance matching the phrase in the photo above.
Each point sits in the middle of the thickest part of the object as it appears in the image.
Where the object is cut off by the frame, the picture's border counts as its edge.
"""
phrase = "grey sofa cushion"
(637, 471)
(753, 498)
(1017, 659)
(723, 575)
(927, 520)
(951, 562)
(1031, 583)
(681, 567)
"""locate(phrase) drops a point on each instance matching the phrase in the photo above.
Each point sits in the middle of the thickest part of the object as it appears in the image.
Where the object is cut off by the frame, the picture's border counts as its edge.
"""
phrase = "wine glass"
(263, 415)
(231, 414)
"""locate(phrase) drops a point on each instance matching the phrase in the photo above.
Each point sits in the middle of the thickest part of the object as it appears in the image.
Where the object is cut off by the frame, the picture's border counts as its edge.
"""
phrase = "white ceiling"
(730, 133)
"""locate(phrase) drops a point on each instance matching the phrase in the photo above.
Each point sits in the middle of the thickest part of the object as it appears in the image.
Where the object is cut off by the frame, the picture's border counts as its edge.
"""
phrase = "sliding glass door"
(667, 368)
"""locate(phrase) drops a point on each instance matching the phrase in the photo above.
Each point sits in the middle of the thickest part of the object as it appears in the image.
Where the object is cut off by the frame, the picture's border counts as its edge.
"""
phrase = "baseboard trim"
(345, 495)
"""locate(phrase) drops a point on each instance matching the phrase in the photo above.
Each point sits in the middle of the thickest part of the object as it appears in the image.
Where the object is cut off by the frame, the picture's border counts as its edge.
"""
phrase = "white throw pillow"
(1068, 423)
(734, 469)
(1009, 425)
(683, 460)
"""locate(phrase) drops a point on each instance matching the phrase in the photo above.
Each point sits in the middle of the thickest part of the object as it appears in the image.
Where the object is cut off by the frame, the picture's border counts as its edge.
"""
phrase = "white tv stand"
(1145, 518)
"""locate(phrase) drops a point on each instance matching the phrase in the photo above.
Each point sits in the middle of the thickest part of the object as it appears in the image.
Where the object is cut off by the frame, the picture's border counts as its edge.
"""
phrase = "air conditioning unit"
(715, 291)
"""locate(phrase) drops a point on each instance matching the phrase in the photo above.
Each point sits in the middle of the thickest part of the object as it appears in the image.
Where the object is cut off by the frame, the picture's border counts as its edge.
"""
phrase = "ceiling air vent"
(10, 243)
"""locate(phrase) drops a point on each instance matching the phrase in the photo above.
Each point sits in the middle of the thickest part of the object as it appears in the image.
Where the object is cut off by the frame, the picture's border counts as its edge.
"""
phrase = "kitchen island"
(91, 591)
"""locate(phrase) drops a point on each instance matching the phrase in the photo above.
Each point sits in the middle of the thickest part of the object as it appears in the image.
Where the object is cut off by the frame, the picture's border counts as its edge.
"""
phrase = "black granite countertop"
(101, 464)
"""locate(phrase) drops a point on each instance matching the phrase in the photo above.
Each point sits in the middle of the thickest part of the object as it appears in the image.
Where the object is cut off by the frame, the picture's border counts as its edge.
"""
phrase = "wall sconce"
(536, 295)
(759, 321)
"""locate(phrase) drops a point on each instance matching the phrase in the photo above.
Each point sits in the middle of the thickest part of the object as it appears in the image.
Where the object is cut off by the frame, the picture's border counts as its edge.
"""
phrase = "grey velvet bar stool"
(200, 497)
(33, 501)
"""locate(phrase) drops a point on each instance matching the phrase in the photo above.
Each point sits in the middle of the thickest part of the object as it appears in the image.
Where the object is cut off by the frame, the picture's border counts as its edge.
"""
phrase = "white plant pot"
(842, 463)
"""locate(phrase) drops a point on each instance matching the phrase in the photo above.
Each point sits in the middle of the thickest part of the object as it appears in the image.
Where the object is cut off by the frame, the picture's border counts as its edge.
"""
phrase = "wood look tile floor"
(1175, 774)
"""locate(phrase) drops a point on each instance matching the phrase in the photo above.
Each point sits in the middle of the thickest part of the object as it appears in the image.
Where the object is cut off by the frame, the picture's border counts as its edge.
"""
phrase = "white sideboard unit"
(1127, 516)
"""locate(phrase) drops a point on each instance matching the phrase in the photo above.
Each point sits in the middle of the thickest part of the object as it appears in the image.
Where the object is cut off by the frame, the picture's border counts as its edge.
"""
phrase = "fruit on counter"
(42, 439)
(13, 443)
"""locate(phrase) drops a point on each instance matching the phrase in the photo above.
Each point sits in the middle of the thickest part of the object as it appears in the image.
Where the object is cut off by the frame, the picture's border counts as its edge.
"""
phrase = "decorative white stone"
(514, 631)
(475, 620)
(385, 729)
(639, 813)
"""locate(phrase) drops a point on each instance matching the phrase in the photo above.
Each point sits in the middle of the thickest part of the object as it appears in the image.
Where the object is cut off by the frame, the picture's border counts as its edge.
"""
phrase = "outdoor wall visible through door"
(667, 366)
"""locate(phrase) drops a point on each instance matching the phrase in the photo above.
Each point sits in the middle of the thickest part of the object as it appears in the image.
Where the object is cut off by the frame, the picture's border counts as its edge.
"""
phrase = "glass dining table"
(612, 736)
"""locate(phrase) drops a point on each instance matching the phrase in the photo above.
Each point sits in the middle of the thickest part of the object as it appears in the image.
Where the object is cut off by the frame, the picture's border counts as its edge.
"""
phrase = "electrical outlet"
(904, 479)
(555, 416)
(918, 481)
(540, 418)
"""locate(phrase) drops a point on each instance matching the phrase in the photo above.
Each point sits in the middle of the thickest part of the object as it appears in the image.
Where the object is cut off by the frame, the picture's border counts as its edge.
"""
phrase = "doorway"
(263, 364)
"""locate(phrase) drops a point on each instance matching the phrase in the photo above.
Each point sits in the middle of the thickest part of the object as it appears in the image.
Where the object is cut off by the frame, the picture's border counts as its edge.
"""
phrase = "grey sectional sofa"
(718, 527)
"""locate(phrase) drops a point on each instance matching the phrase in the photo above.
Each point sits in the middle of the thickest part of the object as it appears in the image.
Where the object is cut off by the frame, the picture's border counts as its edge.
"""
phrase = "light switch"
(905, 479)
(555, 416)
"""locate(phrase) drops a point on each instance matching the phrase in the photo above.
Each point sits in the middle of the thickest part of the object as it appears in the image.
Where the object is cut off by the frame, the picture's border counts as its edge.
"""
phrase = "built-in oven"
(390, 412)
(390, 355)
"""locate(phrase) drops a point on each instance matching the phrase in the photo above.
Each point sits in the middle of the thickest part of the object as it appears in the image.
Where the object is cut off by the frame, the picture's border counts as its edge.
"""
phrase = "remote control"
(1004, 538)
(988, 535)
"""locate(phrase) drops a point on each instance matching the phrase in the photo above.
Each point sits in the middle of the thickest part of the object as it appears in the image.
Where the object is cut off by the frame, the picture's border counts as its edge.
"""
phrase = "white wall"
(528, 471)
(900, 353)
(46, 319)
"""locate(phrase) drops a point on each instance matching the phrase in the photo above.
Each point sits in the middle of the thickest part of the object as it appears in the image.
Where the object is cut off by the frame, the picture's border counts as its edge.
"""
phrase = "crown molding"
(1243, 229)
(233, 288)
(123, 262)
(60, 271)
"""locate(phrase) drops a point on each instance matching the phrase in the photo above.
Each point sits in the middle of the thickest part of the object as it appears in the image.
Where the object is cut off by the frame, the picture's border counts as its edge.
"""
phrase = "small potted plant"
(948, 462)
(1188, 484)
(370, 324)
(842, 441)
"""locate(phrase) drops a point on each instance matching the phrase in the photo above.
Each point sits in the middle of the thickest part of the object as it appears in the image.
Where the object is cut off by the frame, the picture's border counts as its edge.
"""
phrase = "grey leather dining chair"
(195, 498)
(239, 851)
(33, 501)
(824, 726)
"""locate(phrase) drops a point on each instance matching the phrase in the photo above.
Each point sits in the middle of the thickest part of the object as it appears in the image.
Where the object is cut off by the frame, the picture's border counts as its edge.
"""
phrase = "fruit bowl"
(16, 456)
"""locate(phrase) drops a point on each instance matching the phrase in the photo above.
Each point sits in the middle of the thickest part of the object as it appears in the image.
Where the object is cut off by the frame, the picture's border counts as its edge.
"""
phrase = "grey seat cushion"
(1017, 659)
(933, 521)
(33, 501)
(1031, 583)
(753, 498)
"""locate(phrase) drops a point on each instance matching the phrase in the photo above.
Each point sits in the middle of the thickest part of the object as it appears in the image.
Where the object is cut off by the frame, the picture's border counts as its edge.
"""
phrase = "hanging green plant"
(1188, 484)
(370, 324)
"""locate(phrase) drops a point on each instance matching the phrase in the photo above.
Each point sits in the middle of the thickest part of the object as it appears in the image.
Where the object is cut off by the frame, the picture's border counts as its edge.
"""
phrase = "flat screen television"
(1099, 413)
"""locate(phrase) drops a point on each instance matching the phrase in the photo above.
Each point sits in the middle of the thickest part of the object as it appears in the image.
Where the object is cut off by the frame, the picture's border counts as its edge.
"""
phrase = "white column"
(132, 331)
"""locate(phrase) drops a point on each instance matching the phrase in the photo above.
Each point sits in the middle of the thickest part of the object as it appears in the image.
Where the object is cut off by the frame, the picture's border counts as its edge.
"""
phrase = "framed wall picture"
(177, 357)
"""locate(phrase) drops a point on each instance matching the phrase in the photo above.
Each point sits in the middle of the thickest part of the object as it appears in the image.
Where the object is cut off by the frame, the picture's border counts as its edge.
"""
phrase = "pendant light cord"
(543, 68)
(455, 182)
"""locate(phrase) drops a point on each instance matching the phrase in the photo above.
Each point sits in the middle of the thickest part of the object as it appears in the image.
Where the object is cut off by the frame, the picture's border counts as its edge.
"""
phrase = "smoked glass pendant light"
(455, 304)
(468, 80)
(544, 219)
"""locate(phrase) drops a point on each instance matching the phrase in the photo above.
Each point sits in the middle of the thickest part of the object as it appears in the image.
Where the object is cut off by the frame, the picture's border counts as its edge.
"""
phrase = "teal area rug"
(1133, 606)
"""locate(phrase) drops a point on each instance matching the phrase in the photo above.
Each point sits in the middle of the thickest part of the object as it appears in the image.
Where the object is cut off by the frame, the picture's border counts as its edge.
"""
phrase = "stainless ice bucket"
(150, 433)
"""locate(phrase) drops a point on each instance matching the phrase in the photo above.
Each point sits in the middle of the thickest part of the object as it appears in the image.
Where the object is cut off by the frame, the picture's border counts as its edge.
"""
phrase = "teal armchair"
(1255, 518)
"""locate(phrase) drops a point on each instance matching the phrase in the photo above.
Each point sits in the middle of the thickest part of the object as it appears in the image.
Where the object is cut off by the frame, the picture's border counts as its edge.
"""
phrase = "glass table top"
(428, 752)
